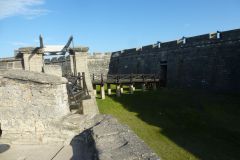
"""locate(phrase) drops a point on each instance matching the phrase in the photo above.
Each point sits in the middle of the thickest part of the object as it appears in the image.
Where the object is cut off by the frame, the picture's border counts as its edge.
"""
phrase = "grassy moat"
(181, 125)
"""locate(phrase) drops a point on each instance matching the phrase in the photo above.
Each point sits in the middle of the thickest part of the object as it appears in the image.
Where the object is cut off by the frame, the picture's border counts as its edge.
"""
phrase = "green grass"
(181, 125)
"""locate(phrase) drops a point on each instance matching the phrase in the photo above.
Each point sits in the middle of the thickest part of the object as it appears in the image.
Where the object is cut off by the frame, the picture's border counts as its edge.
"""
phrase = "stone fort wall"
(209, 61)
(98, 63)
(59, 66)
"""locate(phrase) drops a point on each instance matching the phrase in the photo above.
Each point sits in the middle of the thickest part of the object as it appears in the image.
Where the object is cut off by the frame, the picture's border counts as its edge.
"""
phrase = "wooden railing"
(77, 89)
(124, 78)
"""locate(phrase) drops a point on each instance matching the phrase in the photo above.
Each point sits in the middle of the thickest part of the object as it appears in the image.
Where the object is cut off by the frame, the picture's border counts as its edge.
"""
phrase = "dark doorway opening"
(163, 75)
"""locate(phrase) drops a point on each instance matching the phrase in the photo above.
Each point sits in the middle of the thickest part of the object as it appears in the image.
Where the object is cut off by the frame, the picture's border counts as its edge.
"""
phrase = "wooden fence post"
(102, 88)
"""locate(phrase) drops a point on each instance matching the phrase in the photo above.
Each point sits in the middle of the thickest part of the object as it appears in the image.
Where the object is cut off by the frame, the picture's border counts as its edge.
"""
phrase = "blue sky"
(111, 25)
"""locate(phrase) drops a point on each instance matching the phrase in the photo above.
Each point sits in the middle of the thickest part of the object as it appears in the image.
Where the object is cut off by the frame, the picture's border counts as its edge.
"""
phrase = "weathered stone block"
(89, 107)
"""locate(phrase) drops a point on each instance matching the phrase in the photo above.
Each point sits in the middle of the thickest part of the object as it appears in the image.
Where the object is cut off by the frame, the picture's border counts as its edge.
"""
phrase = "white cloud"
(27, 8)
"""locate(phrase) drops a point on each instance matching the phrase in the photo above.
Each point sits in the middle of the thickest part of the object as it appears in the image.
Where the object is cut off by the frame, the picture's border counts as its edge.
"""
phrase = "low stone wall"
(53, 70)
(11, 63)
(30, 105)
(61, 63)
(116, 141)
(2, 71)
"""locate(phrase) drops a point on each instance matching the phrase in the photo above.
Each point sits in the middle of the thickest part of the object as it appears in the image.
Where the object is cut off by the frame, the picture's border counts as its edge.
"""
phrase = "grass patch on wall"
(181, 125)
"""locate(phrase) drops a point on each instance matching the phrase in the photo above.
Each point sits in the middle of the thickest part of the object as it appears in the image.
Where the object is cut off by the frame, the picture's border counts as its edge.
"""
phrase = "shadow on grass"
(206, 125)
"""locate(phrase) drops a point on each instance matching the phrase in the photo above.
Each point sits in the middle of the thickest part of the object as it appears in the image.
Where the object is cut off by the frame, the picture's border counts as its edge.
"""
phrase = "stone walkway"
(40, 152)
(32, 152)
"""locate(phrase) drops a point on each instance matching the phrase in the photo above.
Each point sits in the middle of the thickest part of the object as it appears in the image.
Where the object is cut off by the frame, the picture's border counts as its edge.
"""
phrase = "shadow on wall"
(202, 124)
(83, 146)
(4, 147)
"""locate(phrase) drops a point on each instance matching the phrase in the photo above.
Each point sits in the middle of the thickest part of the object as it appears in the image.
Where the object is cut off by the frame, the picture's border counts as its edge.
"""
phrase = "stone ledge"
(79, 49)
(28, 50)
(114, 141)
(37, 77)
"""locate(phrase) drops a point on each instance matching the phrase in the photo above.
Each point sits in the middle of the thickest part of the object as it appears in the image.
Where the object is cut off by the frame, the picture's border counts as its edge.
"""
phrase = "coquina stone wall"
(32, 104)
(209, 61)
(10, 64)
(98, 63)
(53, 70)
(61, 64)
